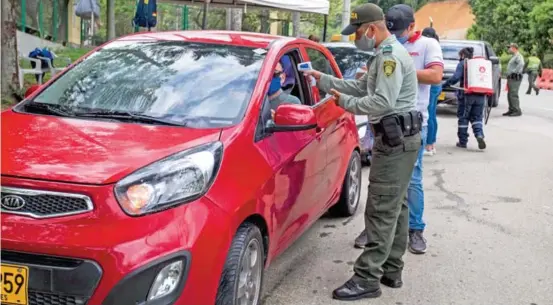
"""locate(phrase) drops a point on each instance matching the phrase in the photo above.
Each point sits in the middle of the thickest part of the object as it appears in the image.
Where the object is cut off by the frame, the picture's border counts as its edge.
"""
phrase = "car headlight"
(177, 179)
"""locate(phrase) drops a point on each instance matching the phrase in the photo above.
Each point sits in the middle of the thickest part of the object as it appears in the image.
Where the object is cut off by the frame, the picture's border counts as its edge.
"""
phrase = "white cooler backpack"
(478, 76)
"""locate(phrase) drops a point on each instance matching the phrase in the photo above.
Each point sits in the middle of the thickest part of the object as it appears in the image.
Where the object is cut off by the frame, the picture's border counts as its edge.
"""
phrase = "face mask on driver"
(365, 43)
(275, 85)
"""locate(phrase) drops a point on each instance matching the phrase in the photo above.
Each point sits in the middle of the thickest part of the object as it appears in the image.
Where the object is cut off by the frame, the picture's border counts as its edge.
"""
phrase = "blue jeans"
(415, 193)
(435, 91)
(470, 109)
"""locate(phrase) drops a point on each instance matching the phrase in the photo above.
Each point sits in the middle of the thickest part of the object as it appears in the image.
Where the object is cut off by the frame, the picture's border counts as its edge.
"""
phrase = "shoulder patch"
(387, 49)
(389, 67)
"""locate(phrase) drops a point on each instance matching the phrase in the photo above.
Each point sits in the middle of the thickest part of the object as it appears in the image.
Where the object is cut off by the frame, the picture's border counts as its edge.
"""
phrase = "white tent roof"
(306, 6)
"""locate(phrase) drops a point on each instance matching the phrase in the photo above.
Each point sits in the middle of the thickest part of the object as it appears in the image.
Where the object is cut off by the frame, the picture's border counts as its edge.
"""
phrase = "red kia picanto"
(153, 171)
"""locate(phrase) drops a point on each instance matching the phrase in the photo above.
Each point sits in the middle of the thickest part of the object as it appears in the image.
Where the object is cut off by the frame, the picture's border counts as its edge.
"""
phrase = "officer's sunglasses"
(277, 73)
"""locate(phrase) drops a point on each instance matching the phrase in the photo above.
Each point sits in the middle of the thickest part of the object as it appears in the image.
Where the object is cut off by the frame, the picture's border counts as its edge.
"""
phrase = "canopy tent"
(305, 6)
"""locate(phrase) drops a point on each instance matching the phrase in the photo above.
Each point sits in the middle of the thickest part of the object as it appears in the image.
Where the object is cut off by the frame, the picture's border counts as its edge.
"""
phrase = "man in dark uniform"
(387, 94)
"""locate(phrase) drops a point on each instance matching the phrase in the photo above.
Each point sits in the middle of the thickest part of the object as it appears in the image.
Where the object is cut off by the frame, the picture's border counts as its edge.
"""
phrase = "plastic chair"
(37, 70)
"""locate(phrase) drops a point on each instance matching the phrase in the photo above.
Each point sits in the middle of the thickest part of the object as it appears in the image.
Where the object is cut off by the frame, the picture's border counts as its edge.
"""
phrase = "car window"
(451, 50)
(173, 80)
(349, 60)
(320, 63)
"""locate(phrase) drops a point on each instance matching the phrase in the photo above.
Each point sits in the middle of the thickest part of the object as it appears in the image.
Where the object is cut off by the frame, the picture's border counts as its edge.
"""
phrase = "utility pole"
(345, 17)
(296, 24)
(110, 22)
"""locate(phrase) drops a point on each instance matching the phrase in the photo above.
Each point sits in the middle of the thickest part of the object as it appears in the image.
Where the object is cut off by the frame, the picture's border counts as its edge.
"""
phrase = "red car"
(152, 171)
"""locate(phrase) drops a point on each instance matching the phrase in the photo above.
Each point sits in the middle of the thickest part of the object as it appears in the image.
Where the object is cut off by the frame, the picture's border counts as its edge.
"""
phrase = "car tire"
(238, 275)
(351, 189)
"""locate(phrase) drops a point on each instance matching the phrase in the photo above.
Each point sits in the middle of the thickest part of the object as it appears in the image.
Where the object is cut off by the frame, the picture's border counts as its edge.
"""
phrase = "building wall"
(74, 25)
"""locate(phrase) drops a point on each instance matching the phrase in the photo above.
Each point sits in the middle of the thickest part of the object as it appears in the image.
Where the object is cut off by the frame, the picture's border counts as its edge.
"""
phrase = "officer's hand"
(273, 115)
(336, 95)
(313, 73)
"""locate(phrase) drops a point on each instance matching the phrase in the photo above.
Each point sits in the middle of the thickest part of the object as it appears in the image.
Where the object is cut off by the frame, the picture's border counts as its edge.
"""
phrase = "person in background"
(314, 38)
(534, 69)
(515, 68)
(435, 91)
(470, 107)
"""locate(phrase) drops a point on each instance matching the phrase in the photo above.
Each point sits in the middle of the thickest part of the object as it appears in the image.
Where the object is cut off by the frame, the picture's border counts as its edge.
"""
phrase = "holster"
(395, 127)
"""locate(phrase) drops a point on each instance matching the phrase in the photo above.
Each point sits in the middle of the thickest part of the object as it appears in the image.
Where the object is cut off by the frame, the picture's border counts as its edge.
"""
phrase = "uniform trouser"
(532, 76)
(512, 95)
(386, 213)
(470, 110)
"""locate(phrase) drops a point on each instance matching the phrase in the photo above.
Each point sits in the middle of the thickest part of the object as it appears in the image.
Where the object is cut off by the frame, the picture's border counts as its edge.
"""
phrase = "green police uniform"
(533, 68)
(515, 67)
(388, 87)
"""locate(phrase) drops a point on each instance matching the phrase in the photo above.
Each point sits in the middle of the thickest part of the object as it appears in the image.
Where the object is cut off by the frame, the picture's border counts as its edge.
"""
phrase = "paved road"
(489, 225)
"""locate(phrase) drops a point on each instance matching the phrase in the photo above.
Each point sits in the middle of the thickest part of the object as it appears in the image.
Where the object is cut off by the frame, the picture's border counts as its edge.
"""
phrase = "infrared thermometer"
(306, 66)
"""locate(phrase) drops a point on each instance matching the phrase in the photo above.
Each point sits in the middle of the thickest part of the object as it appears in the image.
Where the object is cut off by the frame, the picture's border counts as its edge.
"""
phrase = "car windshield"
(451, 50)
(349, 60)
(166, 80)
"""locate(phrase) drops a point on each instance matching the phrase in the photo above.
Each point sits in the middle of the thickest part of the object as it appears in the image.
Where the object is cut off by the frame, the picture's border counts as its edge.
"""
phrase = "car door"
(298, 160)
(333, 119)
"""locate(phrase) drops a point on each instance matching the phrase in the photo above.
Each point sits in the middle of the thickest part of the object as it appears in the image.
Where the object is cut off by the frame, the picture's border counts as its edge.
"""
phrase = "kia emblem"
(13, 202)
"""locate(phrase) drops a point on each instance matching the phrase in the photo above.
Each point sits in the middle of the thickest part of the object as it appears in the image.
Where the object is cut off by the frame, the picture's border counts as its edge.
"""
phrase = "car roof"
(339, 45)
(254, 40)
(473, 42)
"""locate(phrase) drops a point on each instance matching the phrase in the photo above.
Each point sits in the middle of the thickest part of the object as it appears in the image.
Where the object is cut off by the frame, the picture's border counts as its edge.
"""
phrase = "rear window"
(349, 60)
(451, 50)
(165, 79)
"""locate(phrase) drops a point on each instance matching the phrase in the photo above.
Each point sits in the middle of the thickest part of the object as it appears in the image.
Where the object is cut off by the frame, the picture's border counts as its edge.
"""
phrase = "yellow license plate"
(14, 281)
(442, 96)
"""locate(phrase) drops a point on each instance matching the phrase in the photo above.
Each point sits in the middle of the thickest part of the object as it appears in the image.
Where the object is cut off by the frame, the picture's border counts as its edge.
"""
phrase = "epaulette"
(387, 49)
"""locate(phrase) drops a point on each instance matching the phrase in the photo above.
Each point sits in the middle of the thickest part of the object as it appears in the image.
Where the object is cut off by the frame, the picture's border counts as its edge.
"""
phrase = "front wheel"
(242, 276)
(351, 189)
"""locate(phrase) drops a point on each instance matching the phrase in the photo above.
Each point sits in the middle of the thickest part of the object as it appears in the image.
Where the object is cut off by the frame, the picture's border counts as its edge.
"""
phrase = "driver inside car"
(277, 96)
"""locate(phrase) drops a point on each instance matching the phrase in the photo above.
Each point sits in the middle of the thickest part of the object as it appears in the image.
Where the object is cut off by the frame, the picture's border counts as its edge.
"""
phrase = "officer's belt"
(409, 122)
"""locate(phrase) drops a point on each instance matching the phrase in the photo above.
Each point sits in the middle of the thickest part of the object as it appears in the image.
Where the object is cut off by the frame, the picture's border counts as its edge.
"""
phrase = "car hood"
(87, 151)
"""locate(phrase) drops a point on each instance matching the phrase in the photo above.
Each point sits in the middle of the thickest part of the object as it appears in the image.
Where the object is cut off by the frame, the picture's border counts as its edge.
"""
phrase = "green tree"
(503, 21)
(541, 26)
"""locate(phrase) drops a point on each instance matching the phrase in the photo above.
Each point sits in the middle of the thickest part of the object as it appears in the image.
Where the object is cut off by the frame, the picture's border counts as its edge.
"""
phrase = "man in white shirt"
(428, 59)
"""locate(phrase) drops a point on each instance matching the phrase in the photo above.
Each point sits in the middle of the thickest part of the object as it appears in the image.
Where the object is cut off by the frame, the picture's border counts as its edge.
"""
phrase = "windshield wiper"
(48, 108)
(125, 115)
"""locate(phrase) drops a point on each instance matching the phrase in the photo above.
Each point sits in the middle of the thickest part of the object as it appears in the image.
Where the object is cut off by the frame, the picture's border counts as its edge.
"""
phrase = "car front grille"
(43, 204)
(42, 298)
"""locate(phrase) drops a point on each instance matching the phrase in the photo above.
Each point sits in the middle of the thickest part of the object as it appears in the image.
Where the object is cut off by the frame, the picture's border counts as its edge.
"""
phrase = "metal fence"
(44, 18)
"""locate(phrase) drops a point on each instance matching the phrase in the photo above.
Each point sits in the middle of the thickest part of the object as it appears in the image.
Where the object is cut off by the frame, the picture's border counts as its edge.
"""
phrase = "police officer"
(387, 94)
(534, 69)
(515, 67)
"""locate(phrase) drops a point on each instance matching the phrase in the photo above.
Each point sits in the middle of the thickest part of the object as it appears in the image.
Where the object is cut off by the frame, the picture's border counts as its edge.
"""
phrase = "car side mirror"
(291, 117)
(494, 60)
(31, 90)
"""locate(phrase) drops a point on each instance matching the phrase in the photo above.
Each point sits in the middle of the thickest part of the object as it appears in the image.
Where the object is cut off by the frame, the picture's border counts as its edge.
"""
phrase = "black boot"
(352, 290)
